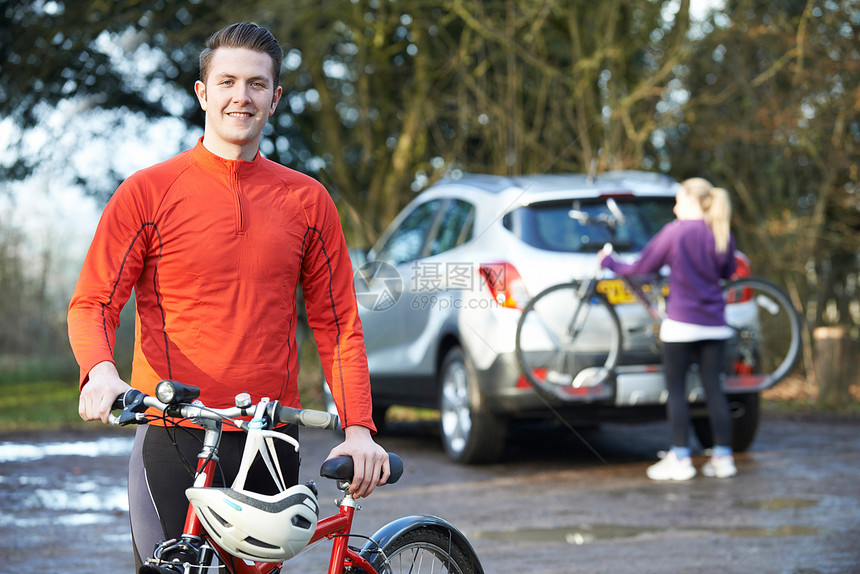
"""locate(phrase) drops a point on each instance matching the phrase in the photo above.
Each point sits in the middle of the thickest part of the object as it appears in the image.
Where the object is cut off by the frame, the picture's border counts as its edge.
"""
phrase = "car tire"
(745, 410)
(471, 434)
(378, 412)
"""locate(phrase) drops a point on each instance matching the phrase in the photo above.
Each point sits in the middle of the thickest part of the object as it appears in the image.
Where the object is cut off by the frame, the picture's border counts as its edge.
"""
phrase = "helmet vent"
(219, 518)
(301, 522)
(260, 543)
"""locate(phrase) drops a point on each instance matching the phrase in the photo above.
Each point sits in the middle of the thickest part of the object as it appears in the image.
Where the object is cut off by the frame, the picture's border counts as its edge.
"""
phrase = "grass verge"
(47, 405)
(798, 397)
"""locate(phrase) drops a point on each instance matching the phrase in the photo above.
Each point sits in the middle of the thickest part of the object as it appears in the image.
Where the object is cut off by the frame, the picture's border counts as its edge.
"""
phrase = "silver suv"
(443, 289)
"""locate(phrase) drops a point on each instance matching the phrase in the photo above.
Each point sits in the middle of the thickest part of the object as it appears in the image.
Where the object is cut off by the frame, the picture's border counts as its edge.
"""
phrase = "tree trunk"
(831, 353)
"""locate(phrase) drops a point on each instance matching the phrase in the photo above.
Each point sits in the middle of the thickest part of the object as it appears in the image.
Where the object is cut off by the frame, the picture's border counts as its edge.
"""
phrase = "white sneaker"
(670, 468)
(720, 467)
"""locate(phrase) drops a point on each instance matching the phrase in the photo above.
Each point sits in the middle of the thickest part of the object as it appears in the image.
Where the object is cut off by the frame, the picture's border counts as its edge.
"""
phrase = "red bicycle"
(237, 532)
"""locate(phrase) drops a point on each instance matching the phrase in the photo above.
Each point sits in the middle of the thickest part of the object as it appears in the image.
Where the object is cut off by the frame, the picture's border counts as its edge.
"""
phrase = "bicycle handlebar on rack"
(611, 220)
(175, 399)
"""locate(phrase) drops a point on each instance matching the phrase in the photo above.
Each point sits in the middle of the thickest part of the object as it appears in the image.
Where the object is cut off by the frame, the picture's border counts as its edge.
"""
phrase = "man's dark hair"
(243, 35)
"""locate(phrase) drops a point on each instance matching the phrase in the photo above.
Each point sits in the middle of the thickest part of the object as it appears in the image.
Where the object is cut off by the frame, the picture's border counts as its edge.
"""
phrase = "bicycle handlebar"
(134, 404)
(308, 418)
(611, 220)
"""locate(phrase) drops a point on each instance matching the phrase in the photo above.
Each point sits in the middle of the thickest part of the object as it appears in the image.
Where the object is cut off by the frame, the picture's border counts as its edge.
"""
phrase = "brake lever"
(132, 406)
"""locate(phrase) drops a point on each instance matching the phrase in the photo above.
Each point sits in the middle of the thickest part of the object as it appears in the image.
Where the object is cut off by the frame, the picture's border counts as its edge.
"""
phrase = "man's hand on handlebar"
(370, 460)
(100, 392)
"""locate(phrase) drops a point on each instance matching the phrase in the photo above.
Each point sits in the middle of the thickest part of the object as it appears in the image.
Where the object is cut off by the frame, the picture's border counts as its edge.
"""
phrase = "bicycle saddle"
(340, 468)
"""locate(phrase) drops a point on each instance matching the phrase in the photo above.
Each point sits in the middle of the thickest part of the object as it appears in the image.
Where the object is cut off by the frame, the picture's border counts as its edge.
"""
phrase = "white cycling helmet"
(254, 526)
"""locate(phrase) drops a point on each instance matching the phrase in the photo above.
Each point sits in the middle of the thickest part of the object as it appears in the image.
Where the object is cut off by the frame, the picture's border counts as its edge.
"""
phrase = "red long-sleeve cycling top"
(215, 250)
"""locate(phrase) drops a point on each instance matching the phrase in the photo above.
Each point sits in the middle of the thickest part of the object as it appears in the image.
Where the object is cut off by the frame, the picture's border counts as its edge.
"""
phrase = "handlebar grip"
(129, 398)
(131, 403)
(396, 465)
(308, 418)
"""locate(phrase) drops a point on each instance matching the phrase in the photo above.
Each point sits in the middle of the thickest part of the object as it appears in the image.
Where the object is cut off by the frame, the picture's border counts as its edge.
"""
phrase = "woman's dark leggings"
(158, 476)
(677, 359)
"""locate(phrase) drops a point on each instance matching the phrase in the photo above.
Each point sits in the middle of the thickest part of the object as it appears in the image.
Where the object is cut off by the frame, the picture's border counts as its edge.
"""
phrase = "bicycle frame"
(196, 552)
(336, 527)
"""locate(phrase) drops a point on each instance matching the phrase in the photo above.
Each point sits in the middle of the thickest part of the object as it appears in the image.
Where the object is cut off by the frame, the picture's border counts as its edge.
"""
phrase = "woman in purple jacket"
(699, 249)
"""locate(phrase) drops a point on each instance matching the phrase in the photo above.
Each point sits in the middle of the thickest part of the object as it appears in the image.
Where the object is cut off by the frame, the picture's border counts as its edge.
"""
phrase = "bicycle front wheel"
(767, 342)
(568, 342)
(429, 550)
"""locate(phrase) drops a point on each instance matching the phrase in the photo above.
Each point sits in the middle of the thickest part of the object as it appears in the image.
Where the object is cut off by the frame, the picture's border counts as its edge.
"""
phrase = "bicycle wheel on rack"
(568, 342)
(767, 342)
(429, 550)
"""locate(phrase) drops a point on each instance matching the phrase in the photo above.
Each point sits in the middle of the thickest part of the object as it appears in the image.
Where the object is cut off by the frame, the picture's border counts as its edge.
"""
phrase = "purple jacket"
(696, 269)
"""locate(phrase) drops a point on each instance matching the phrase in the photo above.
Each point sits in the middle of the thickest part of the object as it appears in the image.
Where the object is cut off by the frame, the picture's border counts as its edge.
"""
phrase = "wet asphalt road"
(559, 502)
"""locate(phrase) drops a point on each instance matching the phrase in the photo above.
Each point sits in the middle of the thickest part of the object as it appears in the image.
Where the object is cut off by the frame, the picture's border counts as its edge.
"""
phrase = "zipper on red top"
(240, 219)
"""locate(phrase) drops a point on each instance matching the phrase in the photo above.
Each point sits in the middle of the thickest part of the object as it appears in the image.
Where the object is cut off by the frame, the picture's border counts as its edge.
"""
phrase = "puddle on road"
(580, 535)
(775, 532)
(30, 498)
(55, 519)
(28, 452)
(74, 505)
(106, 499)
(569, 535)
(777, 504)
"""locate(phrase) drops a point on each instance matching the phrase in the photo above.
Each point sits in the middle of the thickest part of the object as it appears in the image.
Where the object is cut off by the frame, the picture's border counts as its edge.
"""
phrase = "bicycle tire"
(767, 342)
(427, 549)
(567, 345)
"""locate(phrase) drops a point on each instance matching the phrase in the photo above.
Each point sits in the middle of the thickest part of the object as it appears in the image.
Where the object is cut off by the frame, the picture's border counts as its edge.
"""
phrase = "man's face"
(238, 97)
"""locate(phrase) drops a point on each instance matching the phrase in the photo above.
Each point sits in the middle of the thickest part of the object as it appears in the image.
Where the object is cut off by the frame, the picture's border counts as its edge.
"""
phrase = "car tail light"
(743, 269)
(505, 284)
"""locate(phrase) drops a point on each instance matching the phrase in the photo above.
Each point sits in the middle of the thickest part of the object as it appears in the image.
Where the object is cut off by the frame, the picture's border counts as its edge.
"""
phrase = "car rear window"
(549, 225)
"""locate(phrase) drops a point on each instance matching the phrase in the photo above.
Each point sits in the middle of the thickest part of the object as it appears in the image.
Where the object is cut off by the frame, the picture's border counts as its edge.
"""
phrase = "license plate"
(615, 291)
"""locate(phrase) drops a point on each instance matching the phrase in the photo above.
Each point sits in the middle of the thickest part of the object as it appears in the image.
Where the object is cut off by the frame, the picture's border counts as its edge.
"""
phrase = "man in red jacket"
(215, 243)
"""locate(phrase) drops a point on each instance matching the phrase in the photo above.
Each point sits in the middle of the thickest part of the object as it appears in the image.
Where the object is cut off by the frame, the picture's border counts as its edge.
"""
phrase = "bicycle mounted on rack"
(597, 339)
(274, 529)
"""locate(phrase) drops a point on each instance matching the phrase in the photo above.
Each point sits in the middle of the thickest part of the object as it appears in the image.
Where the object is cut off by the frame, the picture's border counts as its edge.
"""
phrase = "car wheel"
(470, 433)
(745, 415)
(378, 413)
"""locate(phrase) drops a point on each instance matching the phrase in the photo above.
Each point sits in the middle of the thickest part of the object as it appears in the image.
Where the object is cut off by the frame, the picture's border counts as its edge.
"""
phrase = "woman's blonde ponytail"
(716, 206)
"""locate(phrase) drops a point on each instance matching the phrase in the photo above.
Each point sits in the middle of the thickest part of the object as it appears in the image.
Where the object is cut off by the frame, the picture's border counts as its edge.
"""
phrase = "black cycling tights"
(157, 478)
(677, 359)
